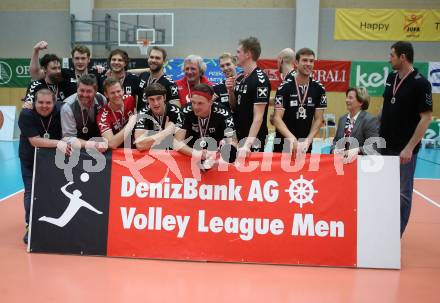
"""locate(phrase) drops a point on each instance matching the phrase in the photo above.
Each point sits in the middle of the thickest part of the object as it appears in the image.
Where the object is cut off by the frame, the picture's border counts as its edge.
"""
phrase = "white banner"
(7, 122)
(434, 76)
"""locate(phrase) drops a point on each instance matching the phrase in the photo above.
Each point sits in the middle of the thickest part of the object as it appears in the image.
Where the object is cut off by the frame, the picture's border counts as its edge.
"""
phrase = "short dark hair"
(406, 48)
(110, 81)
(304, 52)
(160, 49)
(204, 88)
(46, 59)
(155, 89)
(82, 49)
(120, 52)
(45, 91)
(252, 45)
(88, 79)
(361, 95)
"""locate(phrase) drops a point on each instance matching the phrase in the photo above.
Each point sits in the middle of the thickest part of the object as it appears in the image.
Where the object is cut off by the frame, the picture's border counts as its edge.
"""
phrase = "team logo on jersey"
(230, 122)
(174, 90)
(323, 99)
(278, 100)
(293, 103)
(262, 92)
(128, 90)
(141, 84)
(309, 100)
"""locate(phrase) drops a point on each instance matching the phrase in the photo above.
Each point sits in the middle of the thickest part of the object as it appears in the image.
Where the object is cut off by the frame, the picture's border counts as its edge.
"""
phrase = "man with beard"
(406, 114)
(78, 115)
(117, 119)
(228, 65)
(251, 97)
(40, 127)
(194, 69)
(51, 66)
(300, 102)
(156, 59)
(80, 59)
(157, 121)
(118, 62)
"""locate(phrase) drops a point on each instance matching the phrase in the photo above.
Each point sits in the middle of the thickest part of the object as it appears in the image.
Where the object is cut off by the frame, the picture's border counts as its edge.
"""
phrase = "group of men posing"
(91, 108)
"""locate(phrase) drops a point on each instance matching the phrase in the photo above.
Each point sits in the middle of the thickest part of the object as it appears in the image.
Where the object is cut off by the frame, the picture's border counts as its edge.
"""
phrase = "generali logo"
(412, 25)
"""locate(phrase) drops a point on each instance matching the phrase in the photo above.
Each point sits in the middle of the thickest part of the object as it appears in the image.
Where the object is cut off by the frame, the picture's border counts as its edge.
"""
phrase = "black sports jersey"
(166, 81)
(220, 125)
(148, 121)
(152, 124)
(223, 96)
(130, 84)
(254, 89)
(70, 80)
(36, 85)
(287, 98)
(32, 125)
(401, 116)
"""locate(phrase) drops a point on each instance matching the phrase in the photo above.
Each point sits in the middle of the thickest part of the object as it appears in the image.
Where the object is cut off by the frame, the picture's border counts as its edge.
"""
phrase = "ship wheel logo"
(301, 191)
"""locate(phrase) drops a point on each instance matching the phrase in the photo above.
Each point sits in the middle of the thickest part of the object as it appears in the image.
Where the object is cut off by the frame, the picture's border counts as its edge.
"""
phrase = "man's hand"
(303, 146)
(41, 45)
(65, 147)
(405, 155)
(28, 105)
(230, 83)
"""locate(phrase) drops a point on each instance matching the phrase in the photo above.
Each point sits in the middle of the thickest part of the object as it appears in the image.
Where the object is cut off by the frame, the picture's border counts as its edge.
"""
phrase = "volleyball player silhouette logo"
(74, 205)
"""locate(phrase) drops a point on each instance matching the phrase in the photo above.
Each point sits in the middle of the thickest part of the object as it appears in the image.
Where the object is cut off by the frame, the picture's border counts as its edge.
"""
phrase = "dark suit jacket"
(366, 126)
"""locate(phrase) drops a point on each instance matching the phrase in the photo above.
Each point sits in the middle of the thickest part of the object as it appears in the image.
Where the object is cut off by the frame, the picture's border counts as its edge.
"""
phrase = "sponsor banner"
(434, 76)
(270, 217)
(14, 72)
(270, 67)
(70, 213)
(373, 75)
(126, 203)
(334, 75)
(387, 24)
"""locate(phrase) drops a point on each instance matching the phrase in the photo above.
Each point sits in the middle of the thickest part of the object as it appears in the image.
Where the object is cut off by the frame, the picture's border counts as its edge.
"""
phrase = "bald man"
(286, 62)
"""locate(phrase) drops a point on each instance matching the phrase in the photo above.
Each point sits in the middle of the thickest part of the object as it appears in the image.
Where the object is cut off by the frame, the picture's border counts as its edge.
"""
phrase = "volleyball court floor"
(64, 278)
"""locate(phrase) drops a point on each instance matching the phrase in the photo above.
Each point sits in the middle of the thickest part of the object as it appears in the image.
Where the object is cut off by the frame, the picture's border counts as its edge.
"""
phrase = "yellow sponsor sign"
(387, 24)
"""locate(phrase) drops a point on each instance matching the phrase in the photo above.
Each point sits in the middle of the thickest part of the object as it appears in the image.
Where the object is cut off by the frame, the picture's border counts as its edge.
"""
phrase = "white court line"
(426, 198)
(11, 195)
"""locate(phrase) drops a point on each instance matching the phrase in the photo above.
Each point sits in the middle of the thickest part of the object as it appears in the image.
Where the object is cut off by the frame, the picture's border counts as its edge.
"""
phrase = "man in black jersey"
(406, 114)
(51, 66)
(222, 90)
(206, 124)
(118, 62)
(300, 102)
(156, 59)
(249, 103)
(157, 120)
(80, 59)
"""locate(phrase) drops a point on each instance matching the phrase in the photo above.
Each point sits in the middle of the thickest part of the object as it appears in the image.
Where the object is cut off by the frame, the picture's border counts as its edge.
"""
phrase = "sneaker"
(25, 238)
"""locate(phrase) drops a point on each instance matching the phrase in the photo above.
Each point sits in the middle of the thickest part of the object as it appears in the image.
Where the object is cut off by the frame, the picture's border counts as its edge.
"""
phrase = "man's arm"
(115, 140)
(138, 71)
(422, 126)
(144, 142)
(34, 66)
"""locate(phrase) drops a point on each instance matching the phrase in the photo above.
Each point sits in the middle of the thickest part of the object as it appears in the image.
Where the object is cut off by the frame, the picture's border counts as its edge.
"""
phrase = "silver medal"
(85, 130)
(46, 135)
(301, 110)
(203, 144)
(393, 100)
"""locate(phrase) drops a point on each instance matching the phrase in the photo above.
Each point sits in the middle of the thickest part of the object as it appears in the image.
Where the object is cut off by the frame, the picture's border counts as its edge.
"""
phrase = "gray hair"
(197, 60)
